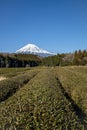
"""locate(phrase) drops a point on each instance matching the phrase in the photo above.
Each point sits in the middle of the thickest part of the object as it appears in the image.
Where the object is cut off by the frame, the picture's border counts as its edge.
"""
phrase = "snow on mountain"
(33, 49)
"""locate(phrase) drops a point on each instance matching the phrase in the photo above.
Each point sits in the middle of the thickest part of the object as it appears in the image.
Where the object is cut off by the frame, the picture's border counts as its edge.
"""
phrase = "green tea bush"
(74, 81)
(10, 86)
(11, 72)
(39, 105)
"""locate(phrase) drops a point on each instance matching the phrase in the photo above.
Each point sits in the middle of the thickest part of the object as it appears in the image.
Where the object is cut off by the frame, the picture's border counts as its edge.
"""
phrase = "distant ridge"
(33, 49)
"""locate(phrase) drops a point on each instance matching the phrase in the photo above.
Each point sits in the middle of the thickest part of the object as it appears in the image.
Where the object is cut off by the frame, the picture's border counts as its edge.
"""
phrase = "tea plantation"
(43, 98)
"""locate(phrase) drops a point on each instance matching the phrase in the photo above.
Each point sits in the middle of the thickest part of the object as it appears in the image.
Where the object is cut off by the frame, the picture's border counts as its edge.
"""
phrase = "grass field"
(43, 98)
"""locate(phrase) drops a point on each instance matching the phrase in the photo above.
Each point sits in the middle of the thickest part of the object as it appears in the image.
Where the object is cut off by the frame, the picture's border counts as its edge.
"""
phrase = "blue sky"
(55, 25)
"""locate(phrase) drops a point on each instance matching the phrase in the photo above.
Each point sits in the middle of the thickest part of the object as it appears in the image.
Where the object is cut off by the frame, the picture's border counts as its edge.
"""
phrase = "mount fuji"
(33, 49)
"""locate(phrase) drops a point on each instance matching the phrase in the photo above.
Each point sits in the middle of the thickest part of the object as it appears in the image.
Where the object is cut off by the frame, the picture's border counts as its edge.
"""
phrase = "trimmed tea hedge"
(10, 86)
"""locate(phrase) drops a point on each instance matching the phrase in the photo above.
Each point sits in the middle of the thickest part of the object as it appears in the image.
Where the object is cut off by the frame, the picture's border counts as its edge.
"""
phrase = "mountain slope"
(33, 49)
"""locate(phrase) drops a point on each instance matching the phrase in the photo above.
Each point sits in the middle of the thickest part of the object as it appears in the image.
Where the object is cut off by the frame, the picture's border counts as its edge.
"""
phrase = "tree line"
(28, 60)
(19, 60)
(77, 58)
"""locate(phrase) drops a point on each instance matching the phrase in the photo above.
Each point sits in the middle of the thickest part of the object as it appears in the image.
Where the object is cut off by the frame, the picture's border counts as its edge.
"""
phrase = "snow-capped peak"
(33, 49)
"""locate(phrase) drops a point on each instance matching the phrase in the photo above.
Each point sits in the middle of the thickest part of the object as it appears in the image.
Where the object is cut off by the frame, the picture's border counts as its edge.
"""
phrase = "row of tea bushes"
(11, 85)
(39, 105)
(11, 72)
(74, 81)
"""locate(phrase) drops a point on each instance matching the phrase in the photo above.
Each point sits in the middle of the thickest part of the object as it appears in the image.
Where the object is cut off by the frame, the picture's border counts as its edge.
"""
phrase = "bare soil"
(2, 78)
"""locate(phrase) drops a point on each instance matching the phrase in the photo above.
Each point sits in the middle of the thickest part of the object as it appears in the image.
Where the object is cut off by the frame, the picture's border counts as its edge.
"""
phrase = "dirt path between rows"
(2, 78)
